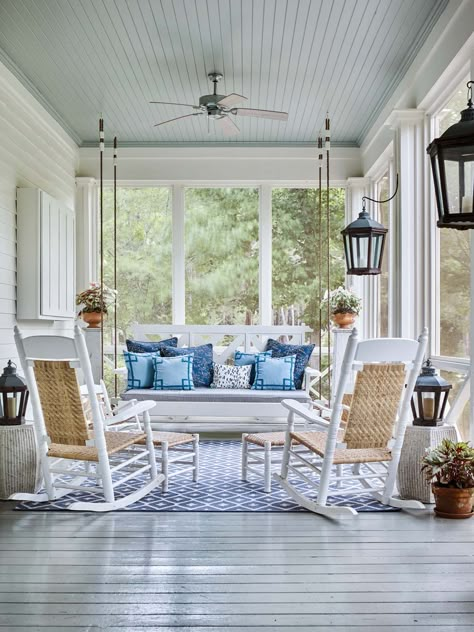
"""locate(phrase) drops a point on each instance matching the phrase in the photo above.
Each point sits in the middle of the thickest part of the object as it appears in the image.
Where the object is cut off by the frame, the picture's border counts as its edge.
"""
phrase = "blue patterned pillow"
(139, 369)
(274, 374)
(173, 374)
(244, 359)
(302, 352)
(203, 373)
(145, 346)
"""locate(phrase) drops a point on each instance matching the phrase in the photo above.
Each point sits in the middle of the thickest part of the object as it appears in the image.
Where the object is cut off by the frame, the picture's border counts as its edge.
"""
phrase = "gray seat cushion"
(203, 394)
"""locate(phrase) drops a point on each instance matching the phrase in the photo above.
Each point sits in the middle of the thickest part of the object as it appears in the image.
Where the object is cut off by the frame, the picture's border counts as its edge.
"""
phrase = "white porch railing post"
(86, 232)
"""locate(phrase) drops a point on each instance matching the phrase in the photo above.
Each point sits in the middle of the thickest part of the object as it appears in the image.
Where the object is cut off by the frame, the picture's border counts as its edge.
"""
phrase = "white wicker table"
(411, 481)
(19, 469)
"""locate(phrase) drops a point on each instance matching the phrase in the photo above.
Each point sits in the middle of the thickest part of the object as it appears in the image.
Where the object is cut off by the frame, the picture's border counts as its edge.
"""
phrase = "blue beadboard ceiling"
(82, 57)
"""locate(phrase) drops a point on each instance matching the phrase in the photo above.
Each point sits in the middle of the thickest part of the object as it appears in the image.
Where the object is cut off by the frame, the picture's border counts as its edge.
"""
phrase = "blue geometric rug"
(219, 488)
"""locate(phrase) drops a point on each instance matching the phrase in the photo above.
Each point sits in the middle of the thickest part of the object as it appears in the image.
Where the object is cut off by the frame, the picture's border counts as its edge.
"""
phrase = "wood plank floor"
(133, 572)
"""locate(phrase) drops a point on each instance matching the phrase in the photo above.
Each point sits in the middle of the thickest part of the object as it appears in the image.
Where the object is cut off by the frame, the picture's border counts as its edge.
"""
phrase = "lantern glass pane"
(361, 251)
(451, 169)
(428, 406)
(467, 184)
(376, 250)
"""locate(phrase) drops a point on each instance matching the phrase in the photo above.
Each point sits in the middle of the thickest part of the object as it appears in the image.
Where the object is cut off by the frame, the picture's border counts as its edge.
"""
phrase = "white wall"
(34, 152)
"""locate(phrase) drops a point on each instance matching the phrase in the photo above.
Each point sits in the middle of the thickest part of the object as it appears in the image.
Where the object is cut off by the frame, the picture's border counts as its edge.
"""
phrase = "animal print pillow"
(226, 376)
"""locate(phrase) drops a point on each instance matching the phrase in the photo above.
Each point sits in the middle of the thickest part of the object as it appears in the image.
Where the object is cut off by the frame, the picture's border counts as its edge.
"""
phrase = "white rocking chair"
(367, 447)
(68, 448)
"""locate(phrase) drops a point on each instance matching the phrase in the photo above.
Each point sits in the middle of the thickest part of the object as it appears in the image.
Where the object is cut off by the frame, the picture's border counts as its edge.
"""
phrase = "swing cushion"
(173, 374)
(274, 374)
(302, 353)
(145, 346)
(140, 370)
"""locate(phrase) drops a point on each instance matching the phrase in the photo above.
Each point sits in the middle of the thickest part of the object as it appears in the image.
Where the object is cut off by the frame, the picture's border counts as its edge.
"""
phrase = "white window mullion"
(178, 254)
(265, 255)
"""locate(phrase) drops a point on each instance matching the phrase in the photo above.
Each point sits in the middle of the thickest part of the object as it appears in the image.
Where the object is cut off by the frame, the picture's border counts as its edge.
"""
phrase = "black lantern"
(13, 397)
(364, 241)
(430, 397)
(452, 164)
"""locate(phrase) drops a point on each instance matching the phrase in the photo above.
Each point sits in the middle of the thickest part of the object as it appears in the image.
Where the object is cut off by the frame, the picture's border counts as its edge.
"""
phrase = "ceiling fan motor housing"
(209, 102)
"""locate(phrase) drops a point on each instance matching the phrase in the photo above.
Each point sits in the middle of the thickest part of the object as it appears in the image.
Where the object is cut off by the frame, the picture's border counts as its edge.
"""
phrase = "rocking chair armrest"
(132, 411)
(302, 411)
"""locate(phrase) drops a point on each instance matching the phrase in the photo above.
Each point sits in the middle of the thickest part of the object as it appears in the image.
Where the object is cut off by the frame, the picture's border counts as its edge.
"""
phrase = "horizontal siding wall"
(34, 152)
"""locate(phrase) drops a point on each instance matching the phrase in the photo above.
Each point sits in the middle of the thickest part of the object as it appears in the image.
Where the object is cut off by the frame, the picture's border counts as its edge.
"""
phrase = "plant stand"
(411, 481)
(19, 466)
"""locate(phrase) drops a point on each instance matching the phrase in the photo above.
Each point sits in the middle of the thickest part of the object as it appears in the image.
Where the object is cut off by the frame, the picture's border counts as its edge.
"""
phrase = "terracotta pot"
(93, 319)
(344, 320)
(452, 502)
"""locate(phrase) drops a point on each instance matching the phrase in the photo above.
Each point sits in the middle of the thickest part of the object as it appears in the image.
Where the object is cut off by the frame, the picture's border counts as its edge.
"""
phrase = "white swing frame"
(134, 461)
(384, 350)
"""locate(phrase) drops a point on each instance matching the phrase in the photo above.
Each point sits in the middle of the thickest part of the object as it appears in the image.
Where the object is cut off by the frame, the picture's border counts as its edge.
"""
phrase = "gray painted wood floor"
(234, 572)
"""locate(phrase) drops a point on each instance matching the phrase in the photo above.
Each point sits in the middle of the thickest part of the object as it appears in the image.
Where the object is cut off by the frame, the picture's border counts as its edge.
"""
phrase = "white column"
(355, 190)
(178, 254)
(265, 255)
(410, 309)
(86, 232)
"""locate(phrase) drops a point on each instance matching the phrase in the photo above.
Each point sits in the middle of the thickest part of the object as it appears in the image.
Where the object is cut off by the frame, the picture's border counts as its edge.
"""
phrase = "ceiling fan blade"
(187, 105)
(231, 99)
(270, 114)
(177, 118)
(227, 125)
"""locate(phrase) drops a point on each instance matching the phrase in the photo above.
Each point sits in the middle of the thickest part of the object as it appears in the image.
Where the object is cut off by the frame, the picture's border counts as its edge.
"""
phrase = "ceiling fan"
(219, 107)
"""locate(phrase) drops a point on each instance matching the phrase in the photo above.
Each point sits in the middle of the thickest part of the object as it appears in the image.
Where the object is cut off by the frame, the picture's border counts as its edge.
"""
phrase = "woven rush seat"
(115, 442)
(274, 438)
(171, 438)
(316, 442)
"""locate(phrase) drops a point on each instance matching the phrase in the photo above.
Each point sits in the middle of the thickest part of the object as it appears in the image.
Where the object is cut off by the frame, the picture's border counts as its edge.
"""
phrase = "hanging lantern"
(452, 164)
(13, 397)
(364, 241)
(430, 397)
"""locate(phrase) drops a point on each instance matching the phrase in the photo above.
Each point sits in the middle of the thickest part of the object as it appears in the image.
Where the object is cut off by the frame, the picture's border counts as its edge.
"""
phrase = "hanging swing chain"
(366, 197)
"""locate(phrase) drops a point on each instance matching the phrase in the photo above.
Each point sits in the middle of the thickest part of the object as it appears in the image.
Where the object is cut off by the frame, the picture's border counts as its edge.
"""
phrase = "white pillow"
(227, 376)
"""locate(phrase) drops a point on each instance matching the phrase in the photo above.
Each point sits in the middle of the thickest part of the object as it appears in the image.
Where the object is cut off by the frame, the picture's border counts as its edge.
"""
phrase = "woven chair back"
(61, 403)
(374, 405)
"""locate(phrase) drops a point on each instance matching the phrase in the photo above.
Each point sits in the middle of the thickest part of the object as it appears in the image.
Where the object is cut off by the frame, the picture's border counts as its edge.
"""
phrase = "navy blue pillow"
(203, 373)
(144, 346)
(302, 352)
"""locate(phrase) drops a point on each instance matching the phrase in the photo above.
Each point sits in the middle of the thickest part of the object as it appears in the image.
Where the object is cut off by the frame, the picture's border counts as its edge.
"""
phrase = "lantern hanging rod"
(469, 93)
(366, 197)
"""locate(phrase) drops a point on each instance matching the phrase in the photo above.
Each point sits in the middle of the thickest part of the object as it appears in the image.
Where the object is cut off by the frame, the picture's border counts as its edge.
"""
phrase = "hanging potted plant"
(344, 305)
(94, 302)
(450, 469)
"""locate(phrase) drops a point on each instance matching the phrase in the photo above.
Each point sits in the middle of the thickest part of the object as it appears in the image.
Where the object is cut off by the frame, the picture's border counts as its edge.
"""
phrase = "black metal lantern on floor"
(364, 241)
(452, 165)
(430, 397)
(13, 397)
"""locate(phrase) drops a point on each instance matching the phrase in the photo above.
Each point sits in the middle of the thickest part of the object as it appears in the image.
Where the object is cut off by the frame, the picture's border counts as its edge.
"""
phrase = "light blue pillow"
(244, 359)
(274, 374)
(140, 370)
(173, 374)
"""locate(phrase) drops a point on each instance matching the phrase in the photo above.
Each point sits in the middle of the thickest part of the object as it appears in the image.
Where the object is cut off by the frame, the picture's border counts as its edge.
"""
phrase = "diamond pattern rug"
(220, 488)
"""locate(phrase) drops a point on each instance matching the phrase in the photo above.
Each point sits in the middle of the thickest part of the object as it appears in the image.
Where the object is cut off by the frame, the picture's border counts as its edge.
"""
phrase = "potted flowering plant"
(344, 306)
(450, 469)
(94, 302)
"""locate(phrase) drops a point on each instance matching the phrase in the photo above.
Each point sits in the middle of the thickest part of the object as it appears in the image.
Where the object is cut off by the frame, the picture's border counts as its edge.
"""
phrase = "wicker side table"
(411, 482)
(19, 467)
